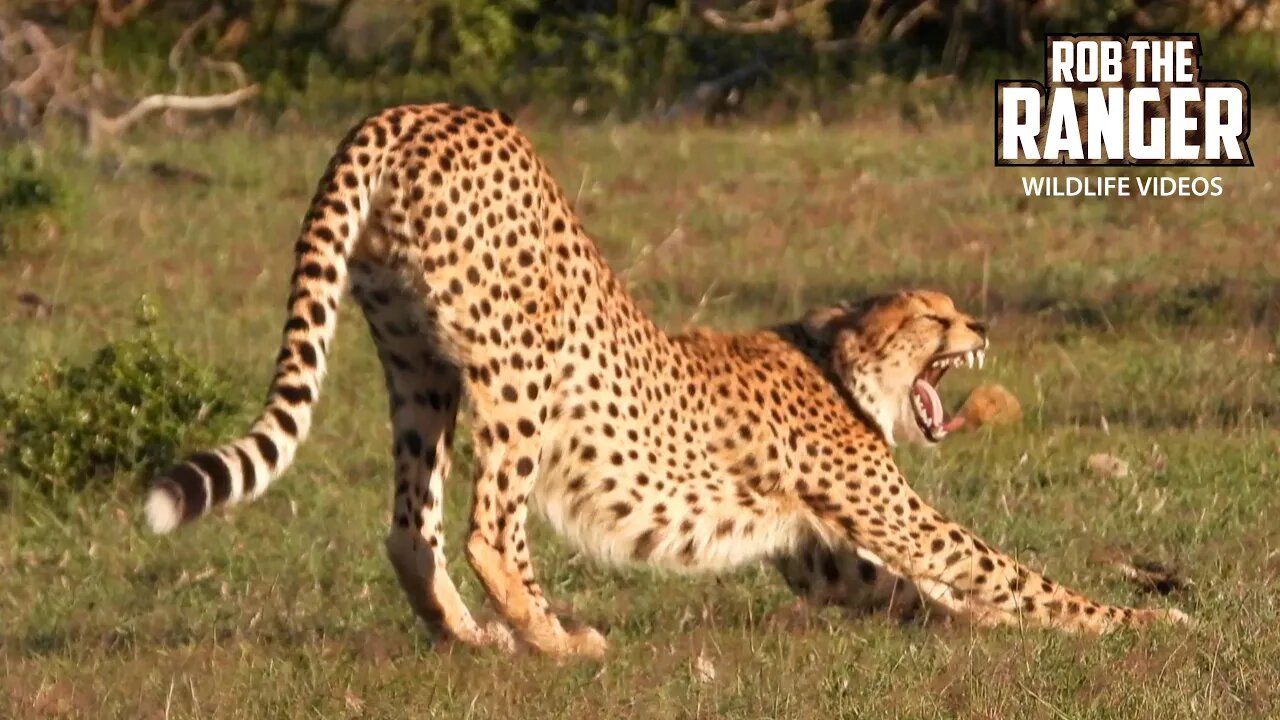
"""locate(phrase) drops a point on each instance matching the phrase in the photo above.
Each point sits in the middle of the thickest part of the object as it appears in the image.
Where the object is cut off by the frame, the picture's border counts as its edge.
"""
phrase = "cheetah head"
(891, 351)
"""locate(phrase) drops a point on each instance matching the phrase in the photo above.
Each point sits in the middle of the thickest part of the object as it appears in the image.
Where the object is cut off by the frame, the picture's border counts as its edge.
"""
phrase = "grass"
(1145, 328)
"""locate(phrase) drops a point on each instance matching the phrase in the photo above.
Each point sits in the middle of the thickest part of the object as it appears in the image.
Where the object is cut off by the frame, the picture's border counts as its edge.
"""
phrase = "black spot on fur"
(412, 442)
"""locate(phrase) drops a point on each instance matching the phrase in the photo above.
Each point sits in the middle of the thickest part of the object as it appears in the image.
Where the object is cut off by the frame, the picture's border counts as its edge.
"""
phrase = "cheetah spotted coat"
(695, 452)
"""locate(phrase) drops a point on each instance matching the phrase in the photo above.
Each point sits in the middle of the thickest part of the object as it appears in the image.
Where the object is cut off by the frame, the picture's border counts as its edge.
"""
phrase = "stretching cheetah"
(697, 452)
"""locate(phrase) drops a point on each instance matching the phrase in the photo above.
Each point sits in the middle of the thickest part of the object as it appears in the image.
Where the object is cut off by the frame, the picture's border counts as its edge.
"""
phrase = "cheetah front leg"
(424, 395)
(508, 451)
(882, 513)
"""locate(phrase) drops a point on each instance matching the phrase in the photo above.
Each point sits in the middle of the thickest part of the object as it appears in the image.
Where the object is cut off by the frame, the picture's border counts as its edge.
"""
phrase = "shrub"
(125, 413)
(27, 192)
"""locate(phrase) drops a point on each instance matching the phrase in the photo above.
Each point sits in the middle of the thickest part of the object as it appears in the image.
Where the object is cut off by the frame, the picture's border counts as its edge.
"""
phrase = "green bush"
(126, 413)
(338, 59)
(27, 192)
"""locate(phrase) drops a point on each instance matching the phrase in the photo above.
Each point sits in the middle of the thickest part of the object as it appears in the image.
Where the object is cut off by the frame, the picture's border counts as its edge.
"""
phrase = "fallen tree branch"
(911, 18)
(783, 17)
(228, 67)
(114, 18)
(45, 79)
(38, 76)
(104, 129)
(107, 16)
(188, 36)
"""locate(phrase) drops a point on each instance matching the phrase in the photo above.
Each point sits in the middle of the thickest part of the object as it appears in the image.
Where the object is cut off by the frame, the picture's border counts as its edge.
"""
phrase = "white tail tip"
(162, 511)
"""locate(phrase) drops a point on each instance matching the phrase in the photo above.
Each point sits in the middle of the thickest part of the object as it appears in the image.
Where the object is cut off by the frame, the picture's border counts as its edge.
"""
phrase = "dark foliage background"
(640, 58)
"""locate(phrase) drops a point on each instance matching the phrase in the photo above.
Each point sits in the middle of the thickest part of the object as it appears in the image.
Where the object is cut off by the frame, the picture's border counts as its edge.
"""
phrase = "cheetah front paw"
(586, 642)
(493, 634)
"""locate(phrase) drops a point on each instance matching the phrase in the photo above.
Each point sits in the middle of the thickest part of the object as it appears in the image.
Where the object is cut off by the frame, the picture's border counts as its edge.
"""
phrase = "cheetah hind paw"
(497, 635)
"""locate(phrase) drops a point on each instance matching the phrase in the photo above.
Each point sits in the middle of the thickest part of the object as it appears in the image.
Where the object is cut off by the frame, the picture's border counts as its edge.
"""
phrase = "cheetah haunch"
(699, 452)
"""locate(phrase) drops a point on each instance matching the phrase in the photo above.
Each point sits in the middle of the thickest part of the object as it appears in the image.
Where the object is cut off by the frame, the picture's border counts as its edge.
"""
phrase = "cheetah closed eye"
(694, 453)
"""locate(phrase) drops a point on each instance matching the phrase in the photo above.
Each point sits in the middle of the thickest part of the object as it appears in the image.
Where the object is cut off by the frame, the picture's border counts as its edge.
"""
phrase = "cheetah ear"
(821, 324)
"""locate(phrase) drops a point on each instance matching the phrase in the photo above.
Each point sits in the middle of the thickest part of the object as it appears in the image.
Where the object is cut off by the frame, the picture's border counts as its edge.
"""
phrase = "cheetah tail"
(244, 468)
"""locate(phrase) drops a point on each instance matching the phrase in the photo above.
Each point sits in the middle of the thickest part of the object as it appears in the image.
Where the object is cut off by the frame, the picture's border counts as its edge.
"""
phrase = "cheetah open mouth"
(930, 415)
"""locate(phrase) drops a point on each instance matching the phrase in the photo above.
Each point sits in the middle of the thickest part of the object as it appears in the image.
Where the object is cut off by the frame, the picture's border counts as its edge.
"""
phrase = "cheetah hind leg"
(498, 548)
(424, 394)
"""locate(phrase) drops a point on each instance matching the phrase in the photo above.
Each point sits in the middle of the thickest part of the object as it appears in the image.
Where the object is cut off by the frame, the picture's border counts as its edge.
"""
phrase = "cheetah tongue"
(929, 408)
(927, 400)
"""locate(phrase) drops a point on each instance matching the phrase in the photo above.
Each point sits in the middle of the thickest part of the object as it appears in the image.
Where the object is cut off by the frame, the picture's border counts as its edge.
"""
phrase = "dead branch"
(869, 25)
(103, 130)
(107, 16)
(188, 36)
(44, 78)
(878, 24)
(227, 67)
(783, 17)
(40, 72)
(235, 36)
(114, 17)
(173, 116)
(913, 17)
(40, 48)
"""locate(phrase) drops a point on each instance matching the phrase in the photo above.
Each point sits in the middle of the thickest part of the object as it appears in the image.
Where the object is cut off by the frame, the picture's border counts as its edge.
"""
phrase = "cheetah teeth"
(968, 359)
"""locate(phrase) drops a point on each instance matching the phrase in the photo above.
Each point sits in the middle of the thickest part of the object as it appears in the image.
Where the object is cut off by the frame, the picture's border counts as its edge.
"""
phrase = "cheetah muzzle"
(696, 453)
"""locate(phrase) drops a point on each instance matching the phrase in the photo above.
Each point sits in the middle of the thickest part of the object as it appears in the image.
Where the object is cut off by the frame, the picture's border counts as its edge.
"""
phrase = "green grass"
(1145, 328)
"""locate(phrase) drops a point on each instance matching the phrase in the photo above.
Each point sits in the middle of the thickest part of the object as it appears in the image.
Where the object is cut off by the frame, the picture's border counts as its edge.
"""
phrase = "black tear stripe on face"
(944, 322)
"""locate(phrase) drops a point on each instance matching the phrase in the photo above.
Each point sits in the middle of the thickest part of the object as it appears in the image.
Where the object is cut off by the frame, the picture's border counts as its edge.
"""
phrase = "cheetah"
(695, 453)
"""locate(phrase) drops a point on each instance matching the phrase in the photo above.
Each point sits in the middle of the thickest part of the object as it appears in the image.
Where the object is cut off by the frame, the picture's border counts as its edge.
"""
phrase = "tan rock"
(1105, 466)
(990, 405)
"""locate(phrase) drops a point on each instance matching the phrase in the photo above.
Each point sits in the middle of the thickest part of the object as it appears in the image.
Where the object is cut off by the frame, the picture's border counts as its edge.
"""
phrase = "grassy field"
(1143, 328)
